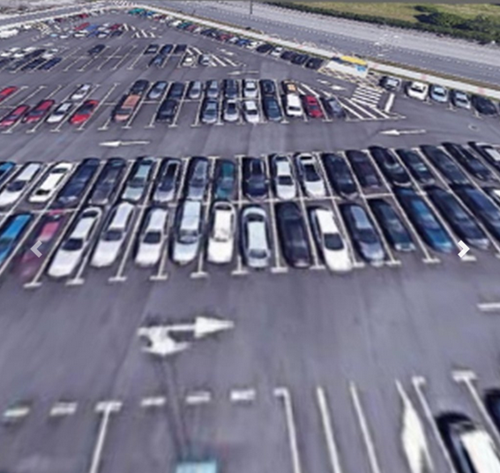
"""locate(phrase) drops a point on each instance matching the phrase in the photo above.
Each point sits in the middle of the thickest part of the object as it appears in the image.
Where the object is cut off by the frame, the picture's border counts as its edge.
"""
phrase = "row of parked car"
(29, 58)
(295, 57)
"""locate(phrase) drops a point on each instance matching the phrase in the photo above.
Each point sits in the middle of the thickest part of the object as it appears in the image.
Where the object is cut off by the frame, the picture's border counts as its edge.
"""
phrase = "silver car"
(195, 90)
(230, 112)
(187, 237)
(138, 179)
(284, 183)
(213, 90)
(311, 179)
(255, 242)
(197, 178)
(250, 89)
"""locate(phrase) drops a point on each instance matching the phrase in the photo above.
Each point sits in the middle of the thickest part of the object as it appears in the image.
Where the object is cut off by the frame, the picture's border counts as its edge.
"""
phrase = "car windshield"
(4, 244)
(73, 244)
(332, 241)
(188, 236)
(285, 180)
(16, 186)
(113, 235)
(152, 237)
(136, 182)
(310, 173)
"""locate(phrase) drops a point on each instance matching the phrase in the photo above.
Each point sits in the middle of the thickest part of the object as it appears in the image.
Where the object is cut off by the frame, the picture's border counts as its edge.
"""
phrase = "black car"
(180, 48)
(416, 165)
(33, 64)
(488, 152)
(314, 63)
(115, 33)
(96, 49)
(448, 168)
(293, 235)
(272, 109)
(453, 427)
(339, 175)
(230, 87)
(264, 48)
(107, 183)
(166, 49)
(224, 185)
(255, 181)
(50, 64)
(468, 161)
(139, 87)
(365, 238)
(363, 169)
(176, 90)
(483, 105)
(152, 49)
(461, 222)
(267, 87)
(287, 55)
(157, 61)
(492, 402)
(333, 107)
(481, 206)
(74, 188)
(425, 222)
(196, 183)
(300, 59)
(392, 226)
(390, 167)
(167, 111)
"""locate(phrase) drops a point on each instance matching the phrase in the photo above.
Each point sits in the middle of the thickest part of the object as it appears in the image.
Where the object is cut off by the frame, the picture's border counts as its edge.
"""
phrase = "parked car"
(156, 92)
(51, 182)
(212, 89)
(157, 61)
(488, 152)
(312, 107)
(83, 112)
(176, 90)
(339, 175)
(267, 88)
(38, 112)
(309, 175)
(392, 226)
(460, 99)
(197, 178)
(224, 185)
(293, 235)
(469, 162)
(188, 232)
(209, 113)
(392, 84)
(364, 169)
(231, 89)
(152, 237)
(251, 111)
(12, 117)
(272, 109)
(484, 105)
(425, 222)
(137, 181)
(75, 243)
(365, 238)
(195, 90)
(460, 221)
(167, 181)
(390, 167)
(15, 188)
(255, 182)
(11, 233)
(448, 168)
(204, 60)
(255, 243)
(334, 108)
(329, 241)
(416, 166)
(284, 184)
(113, 235)
(293, 106)
(81, 92)
(230, 111)
(167, 111)
(417, 90)
(6, 170)
(152, 49)
(107, 182)
(60, 112)
(438, 93)
(94, 50)
(221, 235)
(250, 89)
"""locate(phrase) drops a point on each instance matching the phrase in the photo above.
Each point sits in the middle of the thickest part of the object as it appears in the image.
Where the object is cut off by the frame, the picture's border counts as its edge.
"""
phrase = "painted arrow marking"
(35, 249)
(464, 249)
(402, 132)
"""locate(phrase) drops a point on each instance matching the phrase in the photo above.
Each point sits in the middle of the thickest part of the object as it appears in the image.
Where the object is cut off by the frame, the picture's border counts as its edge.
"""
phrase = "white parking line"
(284, 394)
(63, 409)
(112, 56)
(99, 106)
(154, 401)
(126, 56)
(242, 396)
(239, 271)
(92, 59)
(198, 397)
(365, 431)
(326, 422)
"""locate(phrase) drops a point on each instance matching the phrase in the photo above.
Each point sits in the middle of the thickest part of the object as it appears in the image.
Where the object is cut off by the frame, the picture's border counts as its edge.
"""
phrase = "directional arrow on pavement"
(402, 132)
(35, 249)
(202, 326)
(115, 144)
(464, 249)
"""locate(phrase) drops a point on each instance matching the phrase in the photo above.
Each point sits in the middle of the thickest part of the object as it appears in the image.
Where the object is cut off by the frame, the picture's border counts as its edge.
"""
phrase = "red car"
(114, 27)
(81, 27)
(7, 91)
(83, 112)
(312, 107)
(28, 262)
(39, 111)
(14, 116)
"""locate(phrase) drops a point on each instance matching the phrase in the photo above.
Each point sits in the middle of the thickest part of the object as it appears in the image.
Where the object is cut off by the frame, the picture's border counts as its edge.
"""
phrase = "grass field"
(406, 11)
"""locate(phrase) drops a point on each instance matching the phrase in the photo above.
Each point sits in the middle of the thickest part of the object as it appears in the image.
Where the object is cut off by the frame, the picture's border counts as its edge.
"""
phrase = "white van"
(293, 106)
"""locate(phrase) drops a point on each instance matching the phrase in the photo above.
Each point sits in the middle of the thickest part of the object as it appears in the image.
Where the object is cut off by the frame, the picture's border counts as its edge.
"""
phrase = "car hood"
(106, 252)
(64, 263)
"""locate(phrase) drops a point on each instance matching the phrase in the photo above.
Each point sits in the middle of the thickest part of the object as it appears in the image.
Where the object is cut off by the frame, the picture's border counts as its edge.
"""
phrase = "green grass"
(405, 11)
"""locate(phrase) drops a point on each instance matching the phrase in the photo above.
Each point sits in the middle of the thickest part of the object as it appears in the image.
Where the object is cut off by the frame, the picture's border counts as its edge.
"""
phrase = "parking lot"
(321, 367)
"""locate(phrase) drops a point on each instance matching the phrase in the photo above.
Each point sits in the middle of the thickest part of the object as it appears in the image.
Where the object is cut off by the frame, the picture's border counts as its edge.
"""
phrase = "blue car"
(11, 232)
(427, 225)
(5, 170)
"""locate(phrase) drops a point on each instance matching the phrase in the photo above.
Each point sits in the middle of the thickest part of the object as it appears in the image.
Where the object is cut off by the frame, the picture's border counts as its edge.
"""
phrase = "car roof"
(191, 212)
(29, 170)
(121, 214)
(326, 221)
(156, 218)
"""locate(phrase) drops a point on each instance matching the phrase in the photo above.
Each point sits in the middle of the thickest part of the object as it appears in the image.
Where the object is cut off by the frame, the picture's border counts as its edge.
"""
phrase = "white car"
(60, 112)
(312, 182)
(9, 52)
(276, 52)
(69, 255)
(113, 235)
(256, 246)
(293, 105)
(14, 189)
(221, 238)
(250, 89)
(329, 240)
(417, 90)
(81, 92)
(152, 237)
(188, 60)
(284, 183)
(51, 183)
(251, 111)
